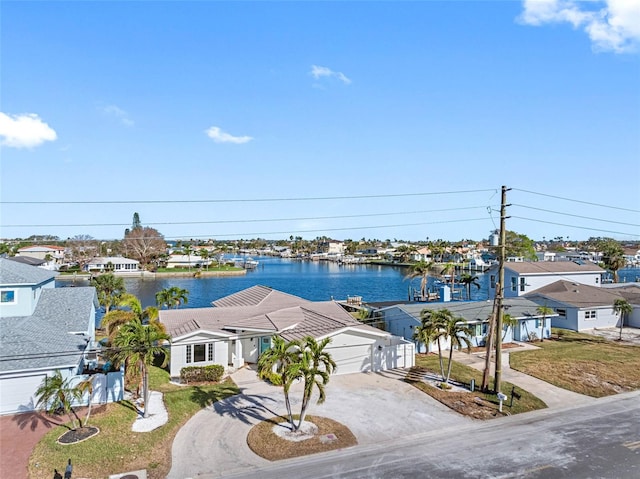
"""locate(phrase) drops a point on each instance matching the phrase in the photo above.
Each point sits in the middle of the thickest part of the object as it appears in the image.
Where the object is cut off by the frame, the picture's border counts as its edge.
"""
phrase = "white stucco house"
(115, 264)
(44, 329)
(524, 277)
(580, 306)
(238, 327)
(56, 253)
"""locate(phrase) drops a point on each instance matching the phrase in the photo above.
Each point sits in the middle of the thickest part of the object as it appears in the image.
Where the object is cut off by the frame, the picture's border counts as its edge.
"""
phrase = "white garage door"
(354, 358)
(16, 394)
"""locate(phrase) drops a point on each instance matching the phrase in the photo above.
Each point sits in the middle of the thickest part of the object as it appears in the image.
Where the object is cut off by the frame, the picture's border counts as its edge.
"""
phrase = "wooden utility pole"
(489, 349)
(497, 383)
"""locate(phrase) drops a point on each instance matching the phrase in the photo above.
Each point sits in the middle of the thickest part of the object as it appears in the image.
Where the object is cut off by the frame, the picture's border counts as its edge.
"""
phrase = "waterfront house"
(186, 261)
(114, 264)
(52, 254)
(403, 318)
(239, 327)
(523, 277)
(44, 329)
(581, 306)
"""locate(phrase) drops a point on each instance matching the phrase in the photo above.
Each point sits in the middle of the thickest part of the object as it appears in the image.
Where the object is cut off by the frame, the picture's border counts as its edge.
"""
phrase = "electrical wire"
(575, 216)
(577, 201)
(576, 227)
(269, 220)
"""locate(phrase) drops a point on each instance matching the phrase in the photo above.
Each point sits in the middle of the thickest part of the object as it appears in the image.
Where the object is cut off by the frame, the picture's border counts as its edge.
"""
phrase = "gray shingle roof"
(476, 311)
(546, 267)
(15, 273)
(577, 295)
(51, 337)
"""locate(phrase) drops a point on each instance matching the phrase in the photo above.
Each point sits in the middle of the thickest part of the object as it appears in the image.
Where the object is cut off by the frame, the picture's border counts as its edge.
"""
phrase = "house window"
(199, 351)
(561, 312)
(590, 314)
(210, 355)
(8, 296)
(493, 281)
(514, 284)
(522, 284)
(476, 329)
(189, 353)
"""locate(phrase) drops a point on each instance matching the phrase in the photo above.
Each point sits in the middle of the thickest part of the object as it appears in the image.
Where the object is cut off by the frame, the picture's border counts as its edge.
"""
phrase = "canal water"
(312, 280)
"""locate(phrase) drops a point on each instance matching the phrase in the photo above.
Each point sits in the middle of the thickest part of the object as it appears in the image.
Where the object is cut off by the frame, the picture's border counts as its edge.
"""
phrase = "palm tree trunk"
(287, 403)
(446, 381)
(145, 388)
(303, 409)
(440, 357)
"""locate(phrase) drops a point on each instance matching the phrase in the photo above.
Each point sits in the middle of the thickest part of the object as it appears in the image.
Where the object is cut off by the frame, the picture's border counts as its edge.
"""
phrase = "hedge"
(212, 373)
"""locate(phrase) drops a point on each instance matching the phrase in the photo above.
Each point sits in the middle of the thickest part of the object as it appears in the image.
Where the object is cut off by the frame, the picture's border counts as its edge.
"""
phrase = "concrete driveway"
(377, 407)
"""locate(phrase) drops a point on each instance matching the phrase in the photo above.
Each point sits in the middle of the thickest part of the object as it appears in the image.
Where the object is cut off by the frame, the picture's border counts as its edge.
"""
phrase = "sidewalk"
(553, 396)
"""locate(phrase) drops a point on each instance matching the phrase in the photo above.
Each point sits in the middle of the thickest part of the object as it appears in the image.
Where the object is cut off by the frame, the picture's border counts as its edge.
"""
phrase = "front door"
(265, 343)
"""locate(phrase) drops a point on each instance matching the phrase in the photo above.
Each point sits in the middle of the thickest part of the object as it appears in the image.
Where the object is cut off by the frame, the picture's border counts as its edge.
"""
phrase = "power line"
(245, 200)
(575, 216)
(268, 220)
(576, 227)
(577, 201)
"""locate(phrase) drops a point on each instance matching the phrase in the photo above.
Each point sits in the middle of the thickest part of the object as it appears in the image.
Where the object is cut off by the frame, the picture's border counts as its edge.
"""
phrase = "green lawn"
(116, 448)
(467, 402)
(582, 363)
(211, 269)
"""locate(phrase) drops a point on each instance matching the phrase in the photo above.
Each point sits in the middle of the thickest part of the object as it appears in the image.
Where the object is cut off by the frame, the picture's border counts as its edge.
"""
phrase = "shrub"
(211, 373)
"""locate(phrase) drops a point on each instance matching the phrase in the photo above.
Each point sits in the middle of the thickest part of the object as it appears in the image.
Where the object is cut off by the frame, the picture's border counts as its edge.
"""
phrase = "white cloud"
(219, 136)
(318, 72)
(119, 113)
(24, 131)
(612, 25)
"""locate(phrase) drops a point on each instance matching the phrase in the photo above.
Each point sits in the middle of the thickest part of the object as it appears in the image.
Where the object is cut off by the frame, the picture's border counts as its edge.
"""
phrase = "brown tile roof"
(545, 267)
(575, 294)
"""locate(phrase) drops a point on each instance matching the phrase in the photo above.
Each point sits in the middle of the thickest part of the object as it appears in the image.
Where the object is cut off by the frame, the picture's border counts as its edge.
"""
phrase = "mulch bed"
(78, 435)
(265, 443)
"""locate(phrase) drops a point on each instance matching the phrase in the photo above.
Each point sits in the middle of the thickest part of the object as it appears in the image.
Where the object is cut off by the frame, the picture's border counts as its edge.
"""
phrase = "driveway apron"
(376, 407)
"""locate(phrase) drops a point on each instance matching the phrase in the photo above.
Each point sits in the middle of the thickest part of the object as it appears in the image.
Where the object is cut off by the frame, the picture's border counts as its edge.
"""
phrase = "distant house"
(580, 306)
(186, 261)
(402, 320)
(43, 252)
(44, 329)
(523, 277)
(239, 327)
(115, 264)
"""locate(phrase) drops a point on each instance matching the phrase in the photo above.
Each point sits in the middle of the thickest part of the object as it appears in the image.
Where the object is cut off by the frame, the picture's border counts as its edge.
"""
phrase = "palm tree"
(139, 344)
(508, 321)
(468, 280)
(316, 365)
(544, 311)
(86, 386)
(435, 322)
(281, 356)
(623, 308)
(109, 288)
(204, 254)
(172, 297)
(148, 314)
(459, 333)
(421, 269)
(187, 250)
(55, 393)
(426, 334)
(113, 320)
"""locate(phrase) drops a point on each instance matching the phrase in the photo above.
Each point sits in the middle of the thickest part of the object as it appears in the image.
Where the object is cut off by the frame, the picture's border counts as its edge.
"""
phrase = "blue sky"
(405, 117)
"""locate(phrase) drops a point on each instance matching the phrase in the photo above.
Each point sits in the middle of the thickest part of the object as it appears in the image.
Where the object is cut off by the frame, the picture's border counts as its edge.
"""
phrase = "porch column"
(238, 360)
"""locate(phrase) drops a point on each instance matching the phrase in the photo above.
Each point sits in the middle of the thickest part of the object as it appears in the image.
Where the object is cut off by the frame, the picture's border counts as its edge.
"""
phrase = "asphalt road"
(600, 440)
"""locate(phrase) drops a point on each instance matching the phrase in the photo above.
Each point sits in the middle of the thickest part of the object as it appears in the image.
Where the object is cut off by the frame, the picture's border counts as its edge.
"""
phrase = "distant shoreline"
(152, 275)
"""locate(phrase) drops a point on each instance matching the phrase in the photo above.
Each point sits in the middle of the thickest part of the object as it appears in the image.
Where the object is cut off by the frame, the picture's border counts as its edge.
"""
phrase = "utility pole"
(497, 383)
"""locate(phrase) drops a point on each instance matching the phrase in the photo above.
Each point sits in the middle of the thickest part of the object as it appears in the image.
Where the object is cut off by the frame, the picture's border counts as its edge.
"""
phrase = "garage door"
(16, 394)
(352, 358)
